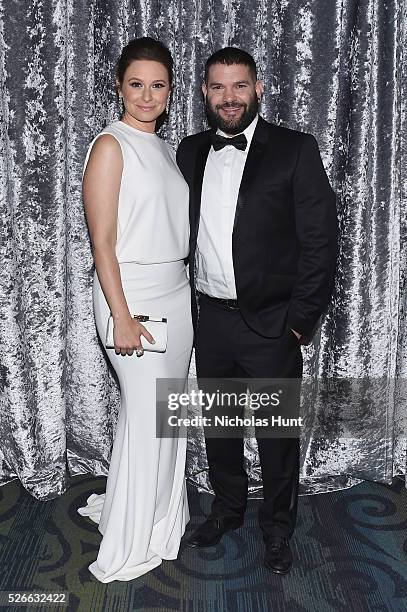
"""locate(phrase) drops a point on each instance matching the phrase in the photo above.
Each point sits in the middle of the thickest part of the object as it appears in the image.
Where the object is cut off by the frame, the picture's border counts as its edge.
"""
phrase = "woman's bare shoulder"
(106, 143)
(106, 149)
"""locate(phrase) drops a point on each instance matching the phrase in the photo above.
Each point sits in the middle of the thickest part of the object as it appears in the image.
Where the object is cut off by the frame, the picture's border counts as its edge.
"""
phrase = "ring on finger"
(139, 352)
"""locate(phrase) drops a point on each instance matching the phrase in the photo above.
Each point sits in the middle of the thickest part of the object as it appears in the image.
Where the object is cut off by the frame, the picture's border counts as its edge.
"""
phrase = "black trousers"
(225, 347)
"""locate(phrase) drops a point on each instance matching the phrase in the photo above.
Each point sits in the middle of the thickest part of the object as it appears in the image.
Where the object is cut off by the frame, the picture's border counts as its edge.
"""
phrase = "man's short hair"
(230, 56)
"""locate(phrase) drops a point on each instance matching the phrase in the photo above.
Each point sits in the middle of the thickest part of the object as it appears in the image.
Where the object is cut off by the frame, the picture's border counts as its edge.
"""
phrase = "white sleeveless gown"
(143, 514)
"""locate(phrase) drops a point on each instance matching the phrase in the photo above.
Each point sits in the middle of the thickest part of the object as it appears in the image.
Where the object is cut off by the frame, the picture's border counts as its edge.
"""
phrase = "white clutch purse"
(156, 327)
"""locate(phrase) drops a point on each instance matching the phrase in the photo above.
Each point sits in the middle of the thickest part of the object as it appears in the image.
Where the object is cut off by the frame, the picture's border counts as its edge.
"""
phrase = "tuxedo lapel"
(200, 163)
(253, 160)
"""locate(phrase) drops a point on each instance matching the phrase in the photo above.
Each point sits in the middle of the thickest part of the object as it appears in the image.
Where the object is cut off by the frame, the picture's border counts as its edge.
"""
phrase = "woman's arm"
(101, 187)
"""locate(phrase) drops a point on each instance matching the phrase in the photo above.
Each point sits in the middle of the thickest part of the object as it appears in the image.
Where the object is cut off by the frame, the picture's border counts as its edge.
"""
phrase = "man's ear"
(204, 90)
(259, 89)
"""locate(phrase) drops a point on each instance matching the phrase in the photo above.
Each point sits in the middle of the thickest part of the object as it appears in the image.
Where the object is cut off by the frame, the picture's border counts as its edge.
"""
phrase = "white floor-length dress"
(143, 514)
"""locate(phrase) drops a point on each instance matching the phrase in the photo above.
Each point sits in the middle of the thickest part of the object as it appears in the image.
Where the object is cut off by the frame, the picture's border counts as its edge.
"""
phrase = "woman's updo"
(144, 48)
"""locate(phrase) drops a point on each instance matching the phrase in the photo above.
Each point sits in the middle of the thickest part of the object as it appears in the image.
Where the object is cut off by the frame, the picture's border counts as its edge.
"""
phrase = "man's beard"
(232, 126)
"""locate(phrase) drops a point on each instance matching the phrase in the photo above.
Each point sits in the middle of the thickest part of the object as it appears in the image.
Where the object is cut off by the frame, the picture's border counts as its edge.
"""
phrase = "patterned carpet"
(350, 552)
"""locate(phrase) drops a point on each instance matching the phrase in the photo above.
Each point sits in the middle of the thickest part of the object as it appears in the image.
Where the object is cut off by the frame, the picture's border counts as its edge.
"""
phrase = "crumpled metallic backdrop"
(334, 68)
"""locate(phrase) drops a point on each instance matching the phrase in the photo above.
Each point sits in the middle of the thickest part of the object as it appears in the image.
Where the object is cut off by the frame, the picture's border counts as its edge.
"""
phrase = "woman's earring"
(167, 107)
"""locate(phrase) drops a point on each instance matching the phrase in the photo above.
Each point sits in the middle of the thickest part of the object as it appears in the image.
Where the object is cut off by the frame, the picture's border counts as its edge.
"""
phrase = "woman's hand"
(127, 334)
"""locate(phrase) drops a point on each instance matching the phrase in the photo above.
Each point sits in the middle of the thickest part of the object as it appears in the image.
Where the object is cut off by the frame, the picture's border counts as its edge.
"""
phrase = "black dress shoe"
(278, 557)
(211, 531)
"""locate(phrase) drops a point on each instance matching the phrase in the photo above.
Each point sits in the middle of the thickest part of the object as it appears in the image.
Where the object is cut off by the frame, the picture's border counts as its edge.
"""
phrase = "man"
(262, 260)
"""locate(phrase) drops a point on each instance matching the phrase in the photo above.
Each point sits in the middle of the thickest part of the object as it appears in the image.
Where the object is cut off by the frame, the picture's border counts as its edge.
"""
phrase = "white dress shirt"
(220, 188)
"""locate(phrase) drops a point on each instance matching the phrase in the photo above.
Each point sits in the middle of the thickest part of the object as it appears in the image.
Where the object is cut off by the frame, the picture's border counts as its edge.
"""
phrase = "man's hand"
(296, 333)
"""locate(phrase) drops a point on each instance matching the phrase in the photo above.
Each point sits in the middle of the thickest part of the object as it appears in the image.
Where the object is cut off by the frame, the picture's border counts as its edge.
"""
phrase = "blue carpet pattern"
(350, 550)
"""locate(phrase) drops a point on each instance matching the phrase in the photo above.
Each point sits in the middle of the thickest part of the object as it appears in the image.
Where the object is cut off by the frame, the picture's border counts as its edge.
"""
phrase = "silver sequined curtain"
(335, 68)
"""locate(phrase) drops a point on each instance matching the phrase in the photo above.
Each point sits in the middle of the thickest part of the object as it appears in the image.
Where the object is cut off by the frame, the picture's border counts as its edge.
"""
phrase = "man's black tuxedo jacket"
(284, 241)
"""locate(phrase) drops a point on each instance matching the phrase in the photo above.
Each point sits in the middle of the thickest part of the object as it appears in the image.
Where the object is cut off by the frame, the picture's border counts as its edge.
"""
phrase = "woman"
(136, 204)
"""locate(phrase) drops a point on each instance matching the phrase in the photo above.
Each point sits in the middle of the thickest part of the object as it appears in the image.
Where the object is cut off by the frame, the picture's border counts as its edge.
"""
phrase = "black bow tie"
(239, 141)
